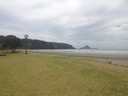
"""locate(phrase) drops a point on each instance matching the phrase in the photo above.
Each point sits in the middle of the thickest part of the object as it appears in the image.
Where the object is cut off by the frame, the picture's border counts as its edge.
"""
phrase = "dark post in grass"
(26, 43)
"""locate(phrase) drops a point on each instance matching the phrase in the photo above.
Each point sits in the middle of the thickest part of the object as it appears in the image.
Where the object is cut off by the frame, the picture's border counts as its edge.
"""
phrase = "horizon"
(79, 47)
(99, 24)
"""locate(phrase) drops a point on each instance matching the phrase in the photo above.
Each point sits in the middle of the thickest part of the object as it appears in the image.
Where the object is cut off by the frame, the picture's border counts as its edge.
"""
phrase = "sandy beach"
(112, 58)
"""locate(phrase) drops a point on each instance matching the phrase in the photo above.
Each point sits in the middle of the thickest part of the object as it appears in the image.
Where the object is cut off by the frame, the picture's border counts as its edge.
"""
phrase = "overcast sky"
(97, 23)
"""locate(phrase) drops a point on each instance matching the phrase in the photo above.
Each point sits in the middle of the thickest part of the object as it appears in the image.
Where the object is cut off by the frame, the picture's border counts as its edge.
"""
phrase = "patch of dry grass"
(50, 75)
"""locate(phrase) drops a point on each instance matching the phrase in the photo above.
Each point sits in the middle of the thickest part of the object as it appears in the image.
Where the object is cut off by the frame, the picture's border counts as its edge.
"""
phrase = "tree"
(12, 42)
(26, 43)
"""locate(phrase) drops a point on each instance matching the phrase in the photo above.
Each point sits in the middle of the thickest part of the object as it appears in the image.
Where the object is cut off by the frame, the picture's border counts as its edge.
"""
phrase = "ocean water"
(89, 50)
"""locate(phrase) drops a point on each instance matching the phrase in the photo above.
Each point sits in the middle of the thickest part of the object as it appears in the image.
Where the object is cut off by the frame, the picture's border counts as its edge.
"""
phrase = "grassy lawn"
(50, 75)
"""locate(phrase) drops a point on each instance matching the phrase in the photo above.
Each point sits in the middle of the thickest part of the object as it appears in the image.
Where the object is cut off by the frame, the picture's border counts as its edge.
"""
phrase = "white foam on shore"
(86, 50)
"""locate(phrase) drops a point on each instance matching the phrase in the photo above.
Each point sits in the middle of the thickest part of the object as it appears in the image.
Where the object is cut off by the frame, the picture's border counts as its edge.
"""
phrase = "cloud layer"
(98, 23)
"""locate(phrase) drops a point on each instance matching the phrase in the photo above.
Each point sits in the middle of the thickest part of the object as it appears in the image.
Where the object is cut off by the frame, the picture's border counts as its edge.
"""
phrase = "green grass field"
(50, 75)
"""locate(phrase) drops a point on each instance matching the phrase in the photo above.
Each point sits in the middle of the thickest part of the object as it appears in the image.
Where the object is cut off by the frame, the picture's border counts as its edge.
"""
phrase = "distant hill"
(39, 44)
(62, 45)
(87, 47)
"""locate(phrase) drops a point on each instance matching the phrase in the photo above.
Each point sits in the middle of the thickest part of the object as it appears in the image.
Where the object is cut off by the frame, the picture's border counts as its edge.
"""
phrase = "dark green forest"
(39, 44)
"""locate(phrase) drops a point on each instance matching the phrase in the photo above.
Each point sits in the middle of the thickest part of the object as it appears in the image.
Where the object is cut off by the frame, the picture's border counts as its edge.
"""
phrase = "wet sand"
(112, 58)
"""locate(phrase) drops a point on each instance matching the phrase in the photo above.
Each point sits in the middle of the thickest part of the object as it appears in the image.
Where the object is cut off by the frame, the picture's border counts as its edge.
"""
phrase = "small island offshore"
(87, 47)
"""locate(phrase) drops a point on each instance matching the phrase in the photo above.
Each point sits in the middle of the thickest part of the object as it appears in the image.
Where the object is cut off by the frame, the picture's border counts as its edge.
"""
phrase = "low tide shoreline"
(113, 58)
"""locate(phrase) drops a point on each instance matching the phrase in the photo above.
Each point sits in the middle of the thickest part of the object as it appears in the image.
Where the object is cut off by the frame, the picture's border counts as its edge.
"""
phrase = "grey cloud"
(118, 25)
(90, 30)
(103, 23)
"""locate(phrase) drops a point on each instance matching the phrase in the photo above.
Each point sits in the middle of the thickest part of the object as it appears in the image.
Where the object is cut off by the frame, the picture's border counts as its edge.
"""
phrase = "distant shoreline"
(113, 58)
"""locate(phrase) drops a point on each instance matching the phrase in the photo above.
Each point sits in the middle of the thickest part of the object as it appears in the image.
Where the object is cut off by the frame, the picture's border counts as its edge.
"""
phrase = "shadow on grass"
(4, 52)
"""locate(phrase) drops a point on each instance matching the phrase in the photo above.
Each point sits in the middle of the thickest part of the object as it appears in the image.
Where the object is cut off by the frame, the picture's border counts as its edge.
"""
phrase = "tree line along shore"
(33, 43)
